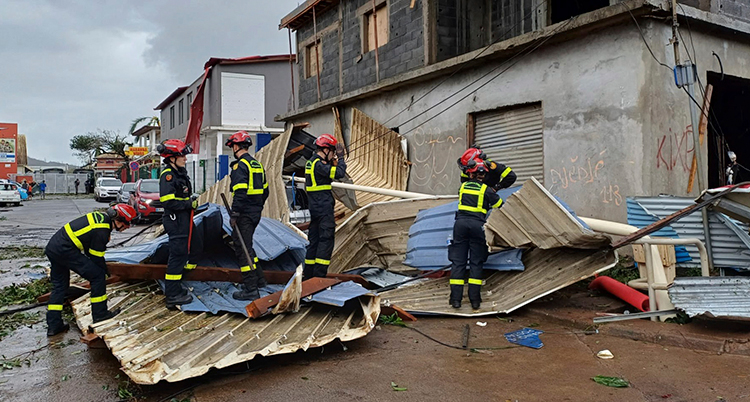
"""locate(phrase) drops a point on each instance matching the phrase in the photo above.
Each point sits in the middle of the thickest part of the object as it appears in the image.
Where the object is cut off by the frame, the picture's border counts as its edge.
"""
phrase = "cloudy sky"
(69, 67)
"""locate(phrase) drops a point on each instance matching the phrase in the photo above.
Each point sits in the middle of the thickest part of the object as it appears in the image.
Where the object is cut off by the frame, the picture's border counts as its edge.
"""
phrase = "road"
(560, 371)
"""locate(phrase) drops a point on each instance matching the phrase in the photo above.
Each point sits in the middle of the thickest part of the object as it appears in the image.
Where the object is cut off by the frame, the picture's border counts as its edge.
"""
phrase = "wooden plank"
(702, 128)
(131, 272)
(261, 306)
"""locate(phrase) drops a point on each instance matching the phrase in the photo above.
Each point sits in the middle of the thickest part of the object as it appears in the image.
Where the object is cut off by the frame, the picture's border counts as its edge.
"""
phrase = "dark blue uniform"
(318, 178)
(174, 194)
(498, 175)
(469, 243)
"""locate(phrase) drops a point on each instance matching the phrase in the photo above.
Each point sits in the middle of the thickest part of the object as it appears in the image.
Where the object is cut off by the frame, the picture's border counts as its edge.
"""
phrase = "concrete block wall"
(733, 8)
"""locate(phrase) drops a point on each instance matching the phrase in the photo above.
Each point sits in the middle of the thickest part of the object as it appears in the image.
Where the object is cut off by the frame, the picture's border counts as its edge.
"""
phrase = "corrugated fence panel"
(729, 251)
(513, 137)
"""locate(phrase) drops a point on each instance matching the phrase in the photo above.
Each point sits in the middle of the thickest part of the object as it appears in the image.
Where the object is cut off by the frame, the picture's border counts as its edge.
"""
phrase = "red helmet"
(124, 213)
(471, 154)
(173, 147)
(326, 141)
(476, 165)
(240, 138)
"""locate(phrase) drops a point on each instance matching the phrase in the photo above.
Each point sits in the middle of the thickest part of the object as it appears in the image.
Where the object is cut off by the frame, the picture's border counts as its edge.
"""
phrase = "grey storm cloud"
(69, 67)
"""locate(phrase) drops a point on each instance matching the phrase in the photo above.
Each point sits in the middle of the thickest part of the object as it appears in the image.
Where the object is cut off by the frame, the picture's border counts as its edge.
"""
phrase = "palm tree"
(152, 121)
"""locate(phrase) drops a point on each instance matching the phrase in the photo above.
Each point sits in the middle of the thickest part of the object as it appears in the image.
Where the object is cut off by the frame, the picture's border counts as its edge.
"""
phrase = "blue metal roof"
(339, 294)
(215, 297)
(427, 247)
(640, 218)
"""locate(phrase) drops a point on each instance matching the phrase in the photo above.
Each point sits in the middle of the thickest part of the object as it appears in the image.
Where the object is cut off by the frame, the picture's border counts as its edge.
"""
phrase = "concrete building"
(567, 92)
(107, 165)
(239, 95)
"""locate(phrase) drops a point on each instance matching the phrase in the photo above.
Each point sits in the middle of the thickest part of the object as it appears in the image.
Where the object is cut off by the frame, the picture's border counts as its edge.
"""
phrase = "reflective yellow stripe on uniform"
(55, 307)
(99, 299)
(190, 266)
(322, 261)
(309, 262)
(245, 268)
(171, 277)
(457, 282)
(96, 253)
(333, 172)
(172, 197)
(255, 259)
(96, 221)
(497, 204)
(311, 171)
(505, 173)
(252, 168)
(480, 198)
(165, 171)
(475, 281)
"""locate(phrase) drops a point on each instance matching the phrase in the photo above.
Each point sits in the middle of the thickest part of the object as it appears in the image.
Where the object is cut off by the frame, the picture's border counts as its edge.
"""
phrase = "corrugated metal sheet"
(513, 137)
(427, 248)
(638, 217)
(154, 344)
(216, 297)
(531, 216)
(337, 295)
(729, 250)
(715, 296)
(546, 271)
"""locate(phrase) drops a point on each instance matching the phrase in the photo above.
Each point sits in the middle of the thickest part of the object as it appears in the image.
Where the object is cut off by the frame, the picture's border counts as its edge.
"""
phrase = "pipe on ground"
(376, 190)
(622, 291)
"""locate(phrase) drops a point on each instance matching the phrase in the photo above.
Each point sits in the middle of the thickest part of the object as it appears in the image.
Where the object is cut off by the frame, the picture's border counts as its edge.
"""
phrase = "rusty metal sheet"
(155, 344)
(532, 217)
(503, 292)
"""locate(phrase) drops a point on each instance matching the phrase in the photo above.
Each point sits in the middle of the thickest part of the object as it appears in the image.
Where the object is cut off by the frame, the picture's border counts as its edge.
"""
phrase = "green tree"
(152, 121)
(87, 146)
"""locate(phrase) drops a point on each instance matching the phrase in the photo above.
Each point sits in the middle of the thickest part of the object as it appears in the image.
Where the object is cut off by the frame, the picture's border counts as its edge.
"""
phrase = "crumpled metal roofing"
(717, 296)
(427, 248)
(532, 216)
(729, 238)
(154, 344)
(639, 217)
(337, 295)
(216, 297)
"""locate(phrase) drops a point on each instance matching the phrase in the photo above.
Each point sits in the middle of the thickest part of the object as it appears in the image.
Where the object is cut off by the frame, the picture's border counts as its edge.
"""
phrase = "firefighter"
(79, 247)
(250, 191)
(175, 194)
(498, 175)
(475, 198)
(326, 164)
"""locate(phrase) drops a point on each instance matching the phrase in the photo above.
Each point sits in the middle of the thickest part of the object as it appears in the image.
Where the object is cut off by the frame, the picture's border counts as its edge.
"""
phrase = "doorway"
(729, 127)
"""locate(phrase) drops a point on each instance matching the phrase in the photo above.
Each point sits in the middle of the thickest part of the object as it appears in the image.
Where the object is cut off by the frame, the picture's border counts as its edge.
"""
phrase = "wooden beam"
(393, 309)
(132, 272)
(260, 307)
(294, 151)
(702, 129)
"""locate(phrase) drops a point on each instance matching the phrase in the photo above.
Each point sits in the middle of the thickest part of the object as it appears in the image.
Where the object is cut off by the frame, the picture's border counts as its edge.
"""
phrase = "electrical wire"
(640, 31)
(461, 67)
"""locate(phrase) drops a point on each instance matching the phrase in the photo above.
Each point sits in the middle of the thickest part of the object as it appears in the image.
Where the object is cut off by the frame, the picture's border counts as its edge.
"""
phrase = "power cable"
(461, 67)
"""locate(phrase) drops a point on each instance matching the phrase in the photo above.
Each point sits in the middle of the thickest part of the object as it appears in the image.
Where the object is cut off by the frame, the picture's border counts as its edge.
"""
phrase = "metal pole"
(674, 40)
(291, 66)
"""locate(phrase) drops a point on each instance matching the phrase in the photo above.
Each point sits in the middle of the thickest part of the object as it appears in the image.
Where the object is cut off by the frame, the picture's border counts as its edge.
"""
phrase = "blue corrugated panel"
(215, 297)
(279, 247)
(638, 217)
(339, 294)
(427, 247)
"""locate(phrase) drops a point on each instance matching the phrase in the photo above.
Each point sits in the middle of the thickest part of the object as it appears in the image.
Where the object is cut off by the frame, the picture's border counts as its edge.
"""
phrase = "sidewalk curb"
(647, 331)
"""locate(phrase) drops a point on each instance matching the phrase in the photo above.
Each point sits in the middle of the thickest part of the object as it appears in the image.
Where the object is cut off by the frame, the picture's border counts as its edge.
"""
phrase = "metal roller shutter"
(513, 137)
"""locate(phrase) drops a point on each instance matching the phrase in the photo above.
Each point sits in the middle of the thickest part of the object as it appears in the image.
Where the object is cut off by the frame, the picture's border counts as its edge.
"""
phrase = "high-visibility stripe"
(255, 259)
(99, 299)
(250, 185)
(309, 262)
(315, 186)
(171, 277)
(480, 198)
(55, 307)
(239, 186)
(333, 172)
(190, 266)
(245, 268)
(497, 204)
(505, 173)
(165, 171)
(464, 175)
(475, 281)
(322, 261)
(73, 237)
(96, 253)
(96, 221)
(457, 282)
(172, 197)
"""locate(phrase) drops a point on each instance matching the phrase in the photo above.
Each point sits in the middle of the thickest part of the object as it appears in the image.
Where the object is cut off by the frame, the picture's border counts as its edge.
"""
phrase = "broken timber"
(261, 306)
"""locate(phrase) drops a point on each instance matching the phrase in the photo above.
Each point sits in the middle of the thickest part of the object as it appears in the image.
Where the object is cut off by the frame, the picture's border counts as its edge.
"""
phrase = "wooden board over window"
(311, 69)
(369, 21)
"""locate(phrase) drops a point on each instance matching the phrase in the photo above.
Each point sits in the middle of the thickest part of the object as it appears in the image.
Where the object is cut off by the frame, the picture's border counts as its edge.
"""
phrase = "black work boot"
(178, 300)
(456, 303)
(475, 304)
(246, 295)
(106, 315)
(261, 279)
(57, 330)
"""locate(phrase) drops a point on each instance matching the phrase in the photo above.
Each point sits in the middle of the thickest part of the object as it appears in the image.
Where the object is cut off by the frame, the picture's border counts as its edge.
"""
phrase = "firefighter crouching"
(326, 164)
(474, 200)
(250, 191)
(498, 176)
(175, 194)
(79, 246)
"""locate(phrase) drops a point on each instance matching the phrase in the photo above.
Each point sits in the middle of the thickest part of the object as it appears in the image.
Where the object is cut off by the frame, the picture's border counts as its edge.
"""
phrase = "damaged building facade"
(566, 92)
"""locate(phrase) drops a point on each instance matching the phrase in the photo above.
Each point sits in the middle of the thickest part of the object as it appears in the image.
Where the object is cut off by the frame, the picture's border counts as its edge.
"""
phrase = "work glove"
(194, 199)
(233, 219)
(340, 151)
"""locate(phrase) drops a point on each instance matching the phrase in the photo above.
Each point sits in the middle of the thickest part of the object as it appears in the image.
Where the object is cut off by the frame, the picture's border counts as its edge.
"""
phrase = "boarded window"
(375, 23)
(513, 136)
(311, 52)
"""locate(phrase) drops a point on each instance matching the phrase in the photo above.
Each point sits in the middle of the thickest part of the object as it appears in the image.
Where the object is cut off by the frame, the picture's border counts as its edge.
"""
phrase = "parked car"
(123, 195)
(9, 194)
(145, 199)
(24, 193)
(106, 188)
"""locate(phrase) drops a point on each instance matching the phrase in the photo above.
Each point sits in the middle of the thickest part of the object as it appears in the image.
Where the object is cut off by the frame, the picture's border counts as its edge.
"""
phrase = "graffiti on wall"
(433, 169)
(586, 175)
(674, 150)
